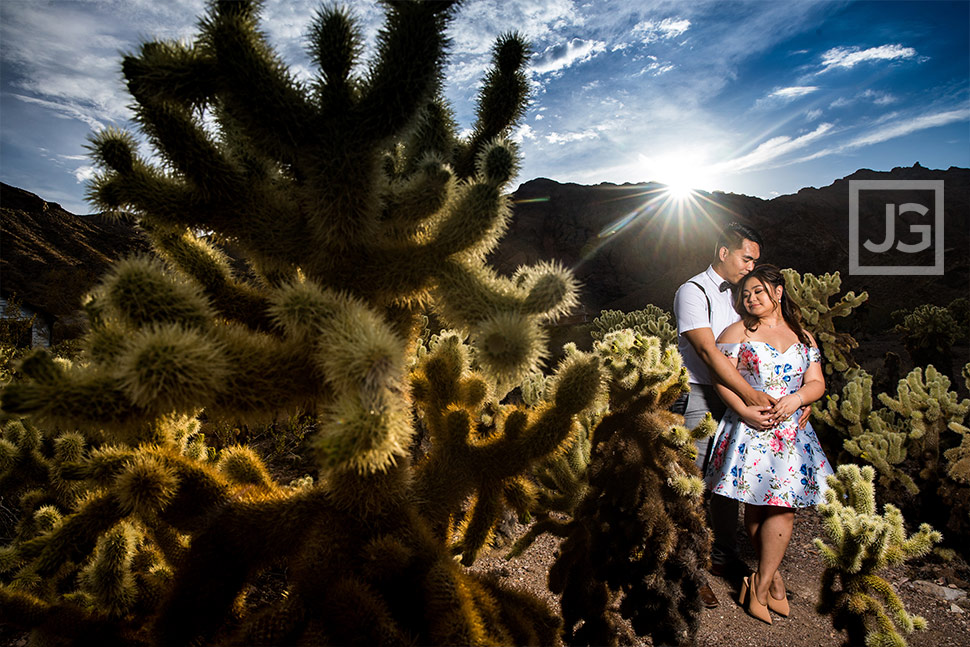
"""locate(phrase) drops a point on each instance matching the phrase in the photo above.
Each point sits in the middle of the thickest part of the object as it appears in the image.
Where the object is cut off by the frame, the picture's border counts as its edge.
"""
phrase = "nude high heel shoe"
(753, 606)
(781, 606)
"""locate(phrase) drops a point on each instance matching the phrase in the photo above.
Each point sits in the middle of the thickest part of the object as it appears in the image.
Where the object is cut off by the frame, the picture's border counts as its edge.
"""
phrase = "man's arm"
(723, 369)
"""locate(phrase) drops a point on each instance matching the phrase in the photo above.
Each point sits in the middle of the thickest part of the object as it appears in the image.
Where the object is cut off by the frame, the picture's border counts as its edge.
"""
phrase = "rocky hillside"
(50, 257)
(629, 244)
(633, 245)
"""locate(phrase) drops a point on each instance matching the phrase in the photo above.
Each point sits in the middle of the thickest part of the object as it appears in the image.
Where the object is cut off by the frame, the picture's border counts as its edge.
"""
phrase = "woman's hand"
(756, 417)
(785, 408)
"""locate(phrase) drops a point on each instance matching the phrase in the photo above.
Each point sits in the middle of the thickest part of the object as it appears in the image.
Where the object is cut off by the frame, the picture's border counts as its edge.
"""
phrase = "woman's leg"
(754, 515)
(773, 535)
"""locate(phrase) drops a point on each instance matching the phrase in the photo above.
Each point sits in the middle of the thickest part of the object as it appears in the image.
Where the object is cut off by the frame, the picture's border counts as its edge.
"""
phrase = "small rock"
(955, 609)
(944, 592)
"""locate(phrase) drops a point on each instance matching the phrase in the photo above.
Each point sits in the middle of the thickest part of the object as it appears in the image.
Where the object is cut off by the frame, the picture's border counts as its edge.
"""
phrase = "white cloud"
(771, 150)
(907, 126)
(849, 57)
(556, 138)
(563, 55)
(814, 114)
(523, 132)
(793, 92)
(780, 96)
(878, 98)
(84, 174)
(62, 109)
(874, 96)
(651, 31)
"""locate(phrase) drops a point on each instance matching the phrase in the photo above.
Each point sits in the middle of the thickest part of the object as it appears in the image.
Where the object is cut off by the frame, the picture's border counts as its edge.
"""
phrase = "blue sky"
(760, 98)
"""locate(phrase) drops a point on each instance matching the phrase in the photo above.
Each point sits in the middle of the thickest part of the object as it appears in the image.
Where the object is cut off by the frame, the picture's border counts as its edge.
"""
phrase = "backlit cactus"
(651, 321)
(357, 208)
(635, 534)
(929, 332)
(859, 543)
(811, 294)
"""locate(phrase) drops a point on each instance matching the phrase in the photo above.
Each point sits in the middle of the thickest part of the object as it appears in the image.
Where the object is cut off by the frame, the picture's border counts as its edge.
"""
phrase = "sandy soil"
(729, 624)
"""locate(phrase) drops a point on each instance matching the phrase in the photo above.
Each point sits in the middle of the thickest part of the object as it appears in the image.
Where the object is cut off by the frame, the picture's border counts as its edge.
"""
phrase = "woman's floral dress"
(781, 466)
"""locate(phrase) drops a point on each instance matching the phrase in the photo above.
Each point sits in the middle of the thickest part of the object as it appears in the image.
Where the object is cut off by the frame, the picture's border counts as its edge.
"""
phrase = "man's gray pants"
(724, 510)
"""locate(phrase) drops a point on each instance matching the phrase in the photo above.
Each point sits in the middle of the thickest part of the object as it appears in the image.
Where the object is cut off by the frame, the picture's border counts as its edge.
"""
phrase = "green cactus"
(634, 532)
(860, 543)
(928, 333)
(358, 210)
(927, 406)
(917, 442)
(876, 436)
(651, 321)
(811, 294)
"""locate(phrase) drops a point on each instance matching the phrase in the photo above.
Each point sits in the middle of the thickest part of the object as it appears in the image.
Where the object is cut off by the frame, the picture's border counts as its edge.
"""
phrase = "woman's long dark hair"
(771, 277)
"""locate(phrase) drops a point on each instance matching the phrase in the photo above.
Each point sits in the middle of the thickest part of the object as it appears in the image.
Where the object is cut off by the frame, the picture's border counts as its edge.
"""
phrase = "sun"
(679, 189)
(682, 172)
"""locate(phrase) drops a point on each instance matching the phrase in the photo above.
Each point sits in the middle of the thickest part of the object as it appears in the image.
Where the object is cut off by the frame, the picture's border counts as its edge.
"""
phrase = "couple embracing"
(755, 369)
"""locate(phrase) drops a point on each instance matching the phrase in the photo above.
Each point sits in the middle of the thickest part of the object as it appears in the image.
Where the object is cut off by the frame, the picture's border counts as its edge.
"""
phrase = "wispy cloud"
(873, 96)
(907, 126)
(566, 138)
(793, 92)
(650, 31)
(64, 109)
(849, 57)
(781, 96)
(522, 133)
(563, 55)
(769, 152)
(84, 174)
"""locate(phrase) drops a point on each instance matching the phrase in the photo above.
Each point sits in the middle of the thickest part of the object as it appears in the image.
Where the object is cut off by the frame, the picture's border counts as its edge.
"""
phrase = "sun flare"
(683, 173)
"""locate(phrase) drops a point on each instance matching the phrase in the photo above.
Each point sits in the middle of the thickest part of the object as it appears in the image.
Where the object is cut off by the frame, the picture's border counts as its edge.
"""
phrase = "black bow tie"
(725, 286)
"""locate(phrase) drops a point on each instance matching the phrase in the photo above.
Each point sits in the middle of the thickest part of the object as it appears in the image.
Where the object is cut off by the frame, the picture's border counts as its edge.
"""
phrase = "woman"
(761, 457)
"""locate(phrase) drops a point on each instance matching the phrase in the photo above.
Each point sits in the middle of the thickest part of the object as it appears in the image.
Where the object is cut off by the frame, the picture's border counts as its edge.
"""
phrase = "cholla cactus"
(637, 537)
(861, 543)
(811, 294)
(357, 207)
(927, 406)
(651, 321)
(959, 457)
(877, 436)
(930, 331)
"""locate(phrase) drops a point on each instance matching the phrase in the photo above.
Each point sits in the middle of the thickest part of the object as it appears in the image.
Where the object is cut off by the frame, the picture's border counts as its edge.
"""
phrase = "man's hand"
(756, 417)
(759, 399)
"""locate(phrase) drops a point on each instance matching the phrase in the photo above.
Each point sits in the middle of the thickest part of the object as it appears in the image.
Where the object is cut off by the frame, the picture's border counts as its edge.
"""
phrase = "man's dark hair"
(733, 235)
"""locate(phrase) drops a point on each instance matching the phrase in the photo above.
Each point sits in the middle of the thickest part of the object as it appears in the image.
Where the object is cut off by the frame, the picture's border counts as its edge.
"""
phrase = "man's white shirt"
(690, 309)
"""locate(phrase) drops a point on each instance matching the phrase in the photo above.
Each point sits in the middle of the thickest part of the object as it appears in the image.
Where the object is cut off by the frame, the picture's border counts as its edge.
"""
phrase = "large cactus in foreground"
(860, 543)
(357, 207)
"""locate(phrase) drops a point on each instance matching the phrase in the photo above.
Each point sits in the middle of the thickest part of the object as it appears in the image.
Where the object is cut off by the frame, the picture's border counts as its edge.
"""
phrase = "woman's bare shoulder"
(733, 334)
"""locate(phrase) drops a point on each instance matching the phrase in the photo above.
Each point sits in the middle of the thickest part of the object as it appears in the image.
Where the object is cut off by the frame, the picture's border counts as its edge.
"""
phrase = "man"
(704, 307)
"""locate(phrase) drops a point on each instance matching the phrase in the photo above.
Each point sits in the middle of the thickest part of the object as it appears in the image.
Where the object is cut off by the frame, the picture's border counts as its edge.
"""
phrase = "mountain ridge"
(629, 244)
